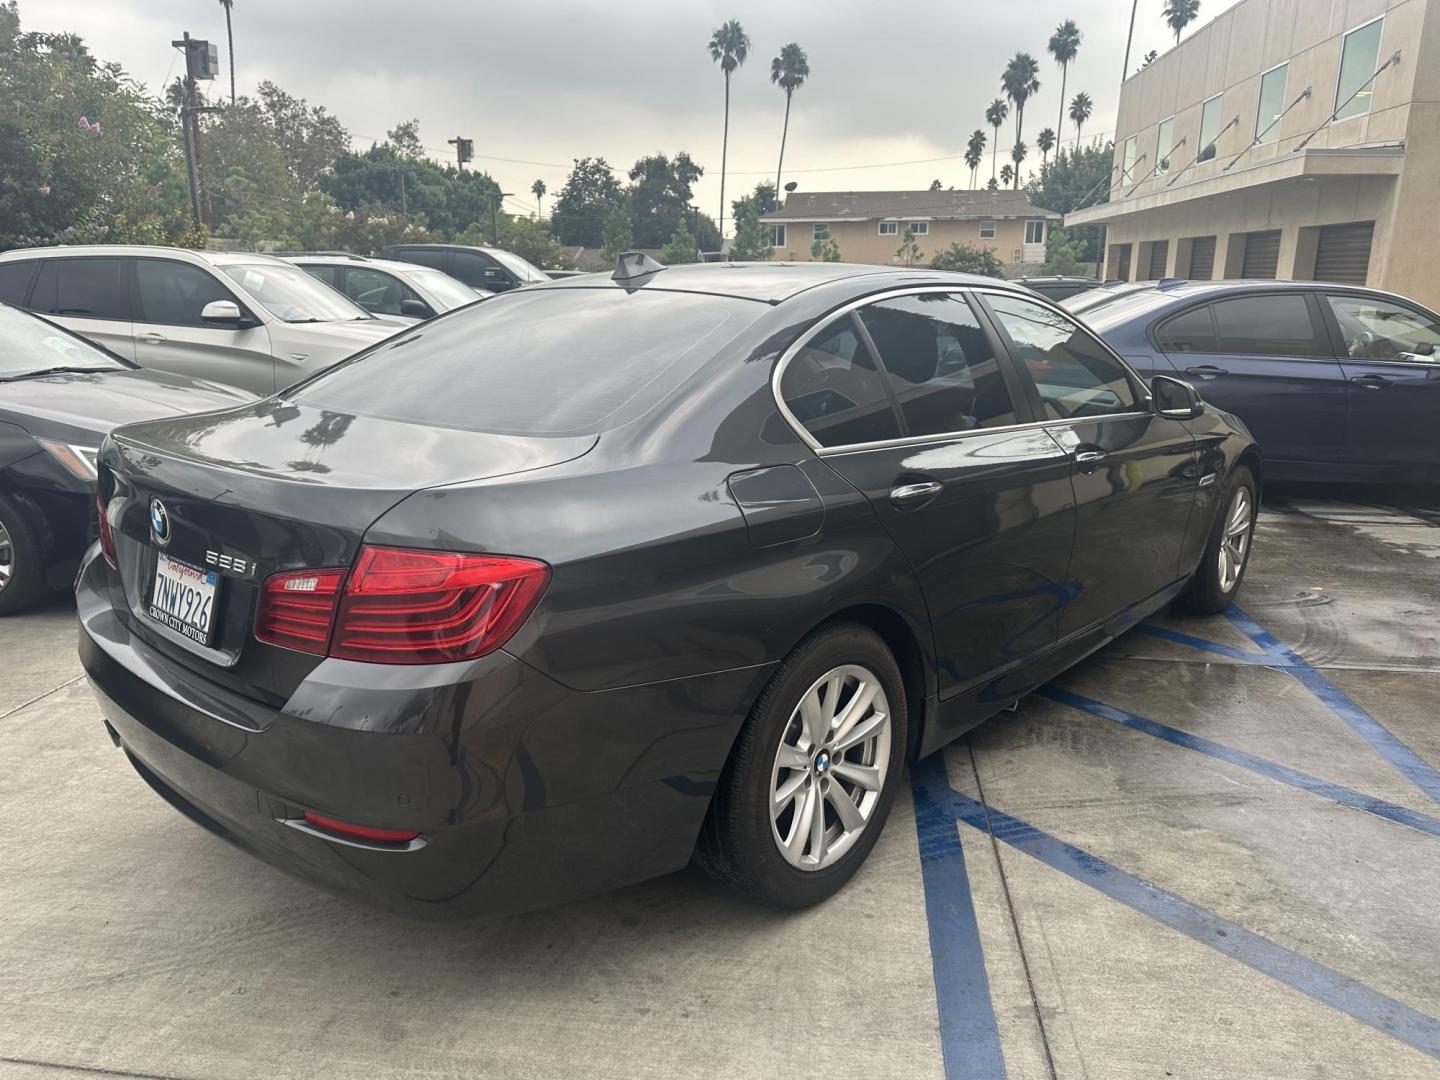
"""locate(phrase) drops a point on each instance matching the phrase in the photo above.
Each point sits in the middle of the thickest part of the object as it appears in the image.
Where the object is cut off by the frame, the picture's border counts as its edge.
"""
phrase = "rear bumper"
(525, 793)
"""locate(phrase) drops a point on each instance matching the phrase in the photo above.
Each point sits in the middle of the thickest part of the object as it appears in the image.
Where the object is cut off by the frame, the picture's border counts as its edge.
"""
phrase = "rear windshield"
(541, 362)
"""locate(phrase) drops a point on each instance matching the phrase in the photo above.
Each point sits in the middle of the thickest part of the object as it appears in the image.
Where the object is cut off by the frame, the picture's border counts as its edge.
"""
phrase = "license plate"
(184, 598)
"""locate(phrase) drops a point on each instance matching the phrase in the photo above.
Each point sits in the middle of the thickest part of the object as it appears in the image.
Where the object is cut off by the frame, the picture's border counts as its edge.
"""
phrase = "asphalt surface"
(1212, 850)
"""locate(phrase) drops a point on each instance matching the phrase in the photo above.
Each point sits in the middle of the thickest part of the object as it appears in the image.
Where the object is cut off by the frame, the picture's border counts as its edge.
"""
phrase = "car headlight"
(78, 460)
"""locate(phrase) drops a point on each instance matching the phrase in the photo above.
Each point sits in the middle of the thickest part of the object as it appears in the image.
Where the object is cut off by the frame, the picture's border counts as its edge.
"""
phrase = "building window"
(777, 235)
(820, 231)
(1128, 160)
(1164, 144)
(987, 230)
(1358, 60)
(1209, 126)
(919, 228)
(1272, 104)
(1035, 231)
(889, 228)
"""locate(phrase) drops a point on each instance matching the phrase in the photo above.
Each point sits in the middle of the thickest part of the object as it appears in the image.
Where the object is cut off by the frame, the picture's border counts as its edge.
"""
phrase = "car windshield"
(525, 271)
(29, 345)
(537, 362)
(444, 290)
(292, 295)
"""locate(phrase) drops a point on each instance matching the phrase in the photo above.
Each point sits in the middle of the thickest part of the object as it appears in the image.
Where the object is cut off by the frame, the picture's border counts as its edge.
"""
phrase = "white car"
(246, 320)
(387, 287)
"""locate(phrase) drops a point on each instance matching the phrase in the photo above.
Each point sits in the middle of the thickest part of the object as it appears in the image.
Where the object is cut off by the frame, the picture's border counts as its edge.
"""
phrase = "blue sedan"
(1335, 382)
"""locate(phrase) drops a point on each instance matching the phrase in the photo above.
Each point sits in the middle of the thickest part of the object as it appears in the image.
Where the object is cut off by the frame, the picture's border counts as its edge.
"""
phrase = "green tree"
(765, 200)
(788, 71)
(1017, 155)
(311, 138)
(995, 114)
(975, 152)
(591, 191)
(908, 251)
(1080, 109)
(966, 259)
(529, 239)
(446, 199)
(660, 192)
(1076, 179)
(935, 185)
(1046, 142)
(616, 232)
(729, 46)
(1062, 253)
(404, 139)
(680, 248)
(752, 236)
(1019, 81)
(1007, 174)
(826, 250)
(1180, 14)
(538, 190)
(1063, 46)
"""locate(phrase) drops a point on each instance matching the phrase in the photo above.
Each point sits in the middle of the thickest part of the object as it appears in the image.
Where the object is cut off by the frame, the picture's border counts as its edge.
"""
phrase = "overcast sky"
(544, 83)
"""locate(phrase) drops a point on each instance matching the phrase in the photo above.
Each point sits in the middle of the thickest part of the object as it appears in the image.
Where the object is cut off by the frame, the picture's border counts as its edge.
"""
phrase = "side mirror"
(222, 311)
(416, 309)
(1175, 399)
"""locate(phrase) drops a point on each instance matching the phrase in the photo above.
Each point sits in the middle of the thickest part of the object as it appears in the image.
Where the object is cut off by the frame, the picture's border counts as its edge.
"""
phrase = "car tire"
(22, 567)
(1217, 580)
(744, 844)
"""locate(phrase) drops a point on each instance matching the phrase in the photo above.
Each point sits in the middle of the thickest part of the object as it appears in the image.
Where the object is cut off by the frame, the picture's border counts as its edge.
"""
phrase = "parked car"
(531, 602)
(247, 320)
(491, 269)
(59, 397)
(1337, 382)
(387, 287)
(1059, 287)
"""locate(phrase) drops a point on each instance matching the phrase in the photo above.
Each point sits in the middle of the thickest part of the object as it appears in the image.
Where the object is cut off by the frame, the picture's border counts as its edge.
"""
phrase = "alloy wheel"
(7, 557)
(1235, 542)
(830, 767)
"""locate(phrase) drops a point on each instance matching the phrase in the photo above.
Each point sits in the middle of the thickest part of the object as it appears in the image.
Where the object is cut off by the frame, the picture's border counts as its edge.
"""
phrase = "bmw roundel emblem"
(159, 522)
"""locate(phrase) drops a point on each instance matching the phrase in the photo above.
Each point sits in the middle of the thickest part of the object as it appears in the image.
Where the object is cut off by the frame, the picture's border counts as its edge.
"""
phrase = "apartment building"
(1291, 139)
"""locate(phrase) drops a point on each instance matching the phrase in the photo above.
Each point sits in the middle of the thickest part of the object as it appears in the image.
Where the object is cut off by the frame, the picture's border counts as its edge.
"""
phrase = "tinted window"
(1273, 325)
(939, 363)
(15, 281)
(436, 257)
(833, 387)
(1193, 331)
(93, 288)
(474, 269)
(175, 293)
(375, 291)
(544, 362)
(322, 272)
(1380, 329)
(1075, 375)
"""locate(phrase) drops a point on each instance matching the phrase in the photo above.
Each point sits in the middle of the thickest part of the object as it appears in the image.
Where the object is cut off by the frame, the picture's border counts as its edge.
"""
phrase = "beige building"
(1266, 146)
(869, 226)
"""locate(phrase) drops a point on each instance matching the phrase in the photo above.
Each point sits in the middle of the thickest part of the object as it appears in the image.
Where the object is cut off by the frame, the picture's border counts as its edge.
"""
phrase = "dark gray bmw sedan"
(548, 594)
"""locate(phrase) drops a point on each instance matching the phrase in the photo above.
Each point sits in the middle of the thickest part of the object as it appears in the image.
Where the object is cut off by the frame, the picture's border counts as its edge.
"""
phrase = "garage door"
(1202, 258)
(1343, 252)
(1262, 254)
(1119, 263)
(1159, 255)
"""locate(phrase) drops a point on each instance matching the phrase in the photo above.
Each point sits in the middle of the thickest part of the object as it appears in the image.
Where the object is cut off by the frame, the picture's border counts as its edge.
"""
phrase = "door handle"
(152, 338)
(1371, 382)
(1090, 460)
(911, 493)
(1206, 371)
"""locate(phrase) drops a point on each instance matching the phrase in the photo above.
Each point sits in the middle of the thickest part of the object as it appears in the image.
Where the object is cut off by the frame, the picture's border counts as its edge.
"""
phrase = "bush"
(969, 260)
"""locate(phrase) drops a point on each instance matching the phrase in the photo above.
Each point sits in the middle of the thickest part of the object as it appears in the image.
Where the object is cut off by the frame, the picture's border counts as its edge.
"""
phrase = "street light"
(494, 219)
(695, 211)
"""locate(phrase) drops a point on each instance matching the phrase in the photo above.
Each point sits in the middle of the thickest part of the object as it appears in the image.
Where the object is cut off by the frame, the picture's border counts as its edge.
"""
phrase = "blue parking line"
(1336, 793)
(1299, 972)
(1384, 742)
(969, 1037)
(1245, 656)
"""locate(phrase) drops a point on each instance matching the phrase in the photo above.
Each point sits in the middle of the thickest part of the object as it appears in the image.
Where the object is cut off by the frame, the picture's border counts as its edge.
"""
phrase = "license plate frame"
(183, 599)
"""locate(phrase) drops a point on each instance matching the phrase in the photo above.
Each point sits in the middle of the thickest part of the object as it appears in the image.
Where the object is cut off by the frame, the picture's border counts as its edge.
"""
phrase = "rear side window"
(940, 364)
(83, 288)
(322, 272)
(1190, 331)
(544, 362)
(435, 257)
(1277, 324)
(174, 293)
(833, 386)
(15, 281)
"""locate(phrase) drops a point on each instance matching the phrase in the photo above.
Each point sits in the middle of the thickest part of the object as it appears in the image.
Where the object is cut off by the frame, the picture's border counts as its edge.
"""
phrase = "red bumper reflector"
(360, 832)
(107, 538)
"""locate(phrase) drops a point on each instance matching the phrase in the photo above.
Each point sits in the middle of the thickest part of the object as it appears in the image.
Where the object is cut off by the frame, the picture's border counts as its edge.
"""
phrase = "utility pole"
(404, 208)
(201, 62)
(494, 218)
(464, 150)
(1125, 72)
(696, 211)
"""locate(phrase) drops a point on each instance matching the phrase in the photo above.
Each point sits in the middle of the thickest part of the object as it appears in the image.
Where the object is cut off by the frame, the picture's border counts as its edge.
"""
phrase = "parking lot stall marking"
(1245, 656)
(1337, 793)
(969, 1036)
(1299, 972)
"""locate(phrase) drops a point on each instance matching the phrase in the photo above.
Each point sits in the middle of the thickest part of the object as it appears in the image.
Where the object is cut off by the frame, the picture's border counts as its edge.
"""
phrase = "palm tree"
(995, 116)
(1017, 155)
(788, 71)
(1019, 81)
(230, 38)
(1046, 142)
(1080, 110)
(1006, 175)
(1180, 14)
(1064, 44)
(975, 152)
(729, 45)
(538, 190)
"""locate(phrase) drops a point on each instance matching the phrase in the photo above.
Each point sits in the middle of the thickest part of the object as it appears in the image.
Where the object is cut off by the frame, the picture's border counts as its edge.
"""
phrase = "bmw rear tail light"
(107, 538)
(399, 606)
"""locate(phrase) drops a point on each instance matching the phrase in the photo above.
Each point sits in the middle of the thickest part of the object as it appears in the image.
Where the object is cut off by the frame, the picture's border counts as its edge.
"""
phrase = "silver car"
(246, 320)
(387, 287)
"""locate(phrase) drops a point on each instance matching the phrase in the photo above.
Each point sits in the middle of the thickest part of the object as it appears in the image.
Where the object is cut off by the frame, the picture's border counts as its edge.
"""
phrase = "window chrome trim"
(925, 440)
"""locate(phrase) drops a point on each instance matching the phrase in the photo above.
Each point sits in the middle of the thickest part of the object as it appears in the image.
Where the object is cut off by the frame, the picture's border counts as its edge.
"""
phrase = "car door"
(379, 291)
(1134, 473)
(1390, 354)
(171, 335)
(908, 398)
(1264, 358)
(90, 296)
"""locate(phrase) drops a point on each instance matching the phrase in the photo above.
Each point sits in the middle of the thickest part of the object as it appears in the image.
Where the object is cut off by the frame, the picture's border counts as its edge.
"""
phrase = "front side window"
(1272, 104)
(84, 288)
(444, 290)
(1074, 373)
(820, 230)
(1277, 324)
(326, 272)
(477, 271)
(1164, 144)
(1359, 57)
(376, 291)
(292, 295)
(523, 269)
(1379, 329)
(1210, 126)
(777, 236)
(889, 228)
(987, 230)
(174, 293)
(1035, 232)
(1127, 166)
(939, 363)
(833, 387)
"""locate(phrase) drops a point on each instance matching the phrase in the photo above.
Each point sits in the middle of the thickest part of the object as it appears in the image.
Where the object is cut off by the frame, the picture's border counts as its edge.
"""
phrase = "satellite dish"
(791, 186)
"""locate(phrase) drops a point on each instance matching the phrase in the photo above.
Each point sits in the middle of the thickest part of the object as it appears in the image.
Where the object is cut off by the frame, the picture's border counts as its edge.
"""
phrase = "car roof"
(1058, 279)
(395, 266)
(214, 258)
(774, 282)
